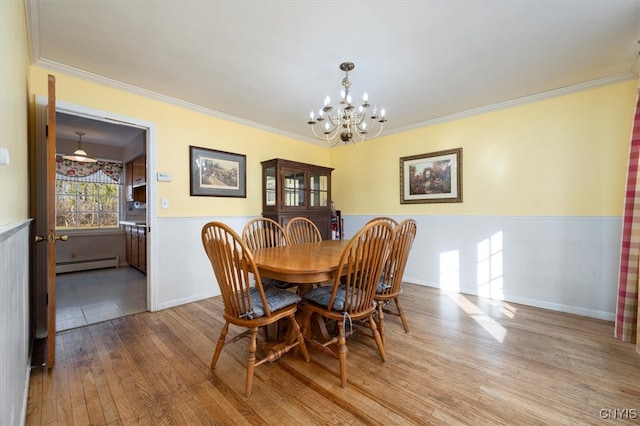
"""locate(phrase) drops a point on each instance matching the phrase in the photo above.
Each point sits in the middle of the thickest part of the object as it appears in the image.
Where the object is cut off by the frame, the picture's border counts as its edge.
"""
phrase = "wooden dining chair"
(390, 285)
(302, 230)
(246, 305)
(263, 232)
(350, 298)
(391, 221)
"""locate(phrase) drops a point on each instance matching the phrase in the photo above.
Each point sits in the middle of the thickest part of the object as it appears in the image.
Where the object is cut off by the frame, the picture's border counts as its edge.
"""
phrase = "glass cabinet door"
(270, 186)
(319, 190)
(293, 188)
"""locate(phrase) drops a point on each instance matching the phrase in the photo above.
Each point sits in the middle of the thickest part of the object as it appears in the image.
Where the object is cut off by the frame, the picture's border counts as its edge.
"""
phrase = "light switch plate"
(164, 177)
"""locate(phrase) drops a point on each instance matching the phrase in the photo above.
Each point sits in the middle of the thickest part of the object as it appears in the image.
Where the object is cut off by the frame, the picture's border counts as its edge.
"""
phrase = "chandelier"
(80, 154)
(347, 122)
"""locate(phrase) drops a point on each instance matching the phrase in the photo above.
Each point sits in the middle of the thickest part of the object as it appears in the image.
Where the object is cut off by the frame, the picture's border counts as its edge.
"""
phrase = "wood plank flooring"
(466, 361)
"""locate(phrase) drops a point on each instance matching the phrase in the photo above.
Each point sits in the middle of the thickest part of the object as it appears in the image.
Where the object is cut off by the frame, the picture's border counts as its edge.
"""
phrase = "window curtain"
(626, 327)
(74, 169)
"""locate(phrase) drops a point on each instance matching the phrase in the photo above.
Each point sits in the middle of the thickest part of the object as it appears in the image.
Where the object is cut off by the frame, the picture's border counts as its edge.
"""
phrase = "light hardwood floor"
(466, 361)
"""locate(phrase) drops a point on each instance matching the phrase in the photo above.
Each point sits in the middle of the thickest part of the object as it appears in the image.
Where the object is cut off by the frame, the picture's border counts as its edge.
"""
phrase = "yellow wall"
(177, 128)
(14, 62)
(564, 156)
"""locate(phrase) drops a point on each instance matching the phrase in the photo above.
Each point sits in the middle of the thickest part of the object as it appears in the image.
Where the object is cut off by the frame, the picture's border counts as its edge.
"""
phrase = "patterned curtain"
(70, 168)
(627, 309)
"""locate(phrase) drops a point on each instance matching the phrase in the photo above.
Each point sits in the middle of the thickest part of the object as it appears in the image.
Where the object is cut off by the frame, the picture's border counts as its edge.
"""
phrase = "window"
(87, 201)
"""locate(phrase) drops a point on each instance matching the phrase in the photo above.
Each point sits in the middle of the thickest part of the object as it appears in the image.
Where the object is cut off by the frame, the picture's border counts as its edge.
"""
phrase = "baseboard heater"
(87, 264)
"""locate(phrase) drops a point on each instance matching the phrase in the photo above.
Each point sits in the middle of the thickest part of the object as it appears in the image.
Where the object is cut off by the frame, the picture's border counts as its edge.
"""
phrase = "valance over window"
(75, 169)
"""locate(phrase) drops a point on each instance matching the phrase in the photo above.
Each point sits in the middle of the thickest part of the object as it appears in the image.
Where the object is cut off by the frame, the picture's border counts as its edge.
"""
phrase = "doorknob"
(51, 237)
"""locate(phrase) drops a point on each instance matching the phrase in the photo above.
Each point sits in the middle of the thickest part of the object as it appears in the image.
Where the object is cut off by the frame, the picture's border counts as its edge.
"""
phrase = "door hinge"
(47, 301)
(46, 131)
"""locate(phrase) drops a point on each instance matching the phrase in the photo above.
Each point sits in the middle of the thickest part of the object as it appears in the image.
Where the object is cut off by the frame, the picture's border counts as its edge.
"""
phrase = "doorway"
(76, 118)
(86, 292)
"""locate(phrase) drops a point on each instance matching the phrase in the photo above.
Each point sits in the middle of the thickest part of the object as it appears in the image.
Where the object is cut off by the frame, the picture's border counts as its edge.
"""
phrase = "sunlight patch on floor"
(497, 331)
(489, 283)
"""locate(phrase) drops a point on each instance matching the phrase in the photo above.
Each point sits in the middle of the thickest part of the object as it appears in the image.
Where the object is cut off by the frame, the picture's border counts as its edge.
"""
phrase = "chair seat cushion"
(382, 287)
(276, 299)
(321, 296)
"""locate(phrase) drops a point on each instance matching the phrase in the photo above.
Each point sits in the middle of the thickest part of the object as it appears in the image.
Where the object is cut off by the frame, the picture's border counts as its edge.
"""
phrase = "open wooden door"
(46, 226)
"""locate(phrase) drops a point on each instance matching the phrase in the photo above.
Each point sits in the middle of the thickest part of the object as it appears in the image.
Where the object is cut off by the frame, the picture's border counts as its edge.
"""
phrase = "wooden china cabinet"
(291, 189)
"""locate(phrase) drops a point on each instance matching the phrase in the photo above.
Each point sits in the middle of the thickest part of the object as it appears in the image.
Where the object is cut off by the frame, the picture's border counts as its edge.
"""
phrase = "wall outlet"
(164, 203)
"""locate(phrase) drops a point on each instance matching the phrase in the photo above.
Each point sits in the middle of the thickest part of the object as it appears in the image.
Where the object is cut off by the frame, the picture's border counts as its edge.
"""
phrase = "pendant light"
(80, 155)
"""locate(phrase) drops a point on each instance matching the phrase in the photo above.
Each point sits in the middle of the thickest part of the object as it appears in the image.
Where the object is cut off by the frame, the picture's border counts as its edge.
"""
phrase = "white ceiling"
(268, 63)
(95, 131)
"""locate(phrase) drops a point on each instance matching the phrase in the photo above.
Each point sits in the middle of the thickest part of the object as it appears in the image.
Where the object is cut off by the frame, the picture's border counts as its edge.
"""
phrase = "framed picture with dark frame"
(435, 177)
(217, 173)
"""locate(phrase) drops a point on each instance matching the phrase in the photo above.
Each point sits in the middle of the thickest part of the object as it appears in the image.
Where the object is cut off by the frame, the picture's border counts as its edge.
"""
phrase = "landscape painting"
(217, 173)
(431, 178)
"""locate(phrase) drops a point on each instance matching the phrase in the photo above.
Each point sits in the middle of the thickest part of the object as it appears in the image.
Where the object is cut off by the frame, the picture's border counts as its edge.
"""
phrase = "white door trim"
(151, 144)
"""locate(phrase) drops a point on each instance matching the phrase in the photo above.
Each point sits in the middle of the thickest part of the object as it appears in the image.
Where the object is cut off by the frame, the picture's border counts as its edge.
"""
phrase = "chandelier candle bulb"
(347, 122)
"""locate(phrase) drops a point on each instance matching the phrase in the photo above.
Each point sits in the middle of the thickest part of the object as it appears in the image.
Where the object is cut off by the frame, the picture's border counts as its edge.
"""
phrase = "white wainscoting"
(183, 272)
(14, 323)
(567, 264)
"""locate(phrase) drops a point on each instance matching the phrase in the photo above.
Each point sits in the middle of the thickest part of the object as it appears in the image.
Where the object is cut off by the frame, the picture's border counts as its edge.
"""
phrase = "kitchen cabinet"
(136, 179)
(139, 174)
(291, 188)
(142, 248)
(136, 246)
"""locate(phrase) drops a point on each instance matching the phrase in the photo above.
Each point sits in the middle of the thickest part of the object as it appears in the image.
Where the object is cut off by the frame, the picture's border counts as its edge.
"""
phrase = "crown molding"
(521, 101)
(95, 78)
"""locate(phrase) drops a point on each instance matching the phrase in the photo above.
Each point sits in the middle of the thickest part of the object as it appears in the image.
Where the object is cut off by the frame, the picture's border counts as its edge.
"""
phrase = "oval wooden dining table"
(302, 264)
(306, 263)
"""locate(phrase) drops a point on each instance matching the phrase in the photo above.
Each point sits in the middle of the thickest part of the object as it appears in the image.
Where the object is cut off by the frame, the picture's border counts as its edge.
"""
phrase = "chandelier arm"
(335, 120)
(313, 129)
(368, 138)
(326, 137)
(370, 124)
(360, 117)
(334, 124)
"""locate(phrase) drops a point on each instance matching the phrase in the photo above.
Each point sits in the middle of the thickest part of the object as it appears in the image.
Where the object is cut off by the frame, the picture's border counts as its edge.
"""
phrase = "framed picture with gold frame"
(435, 177)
